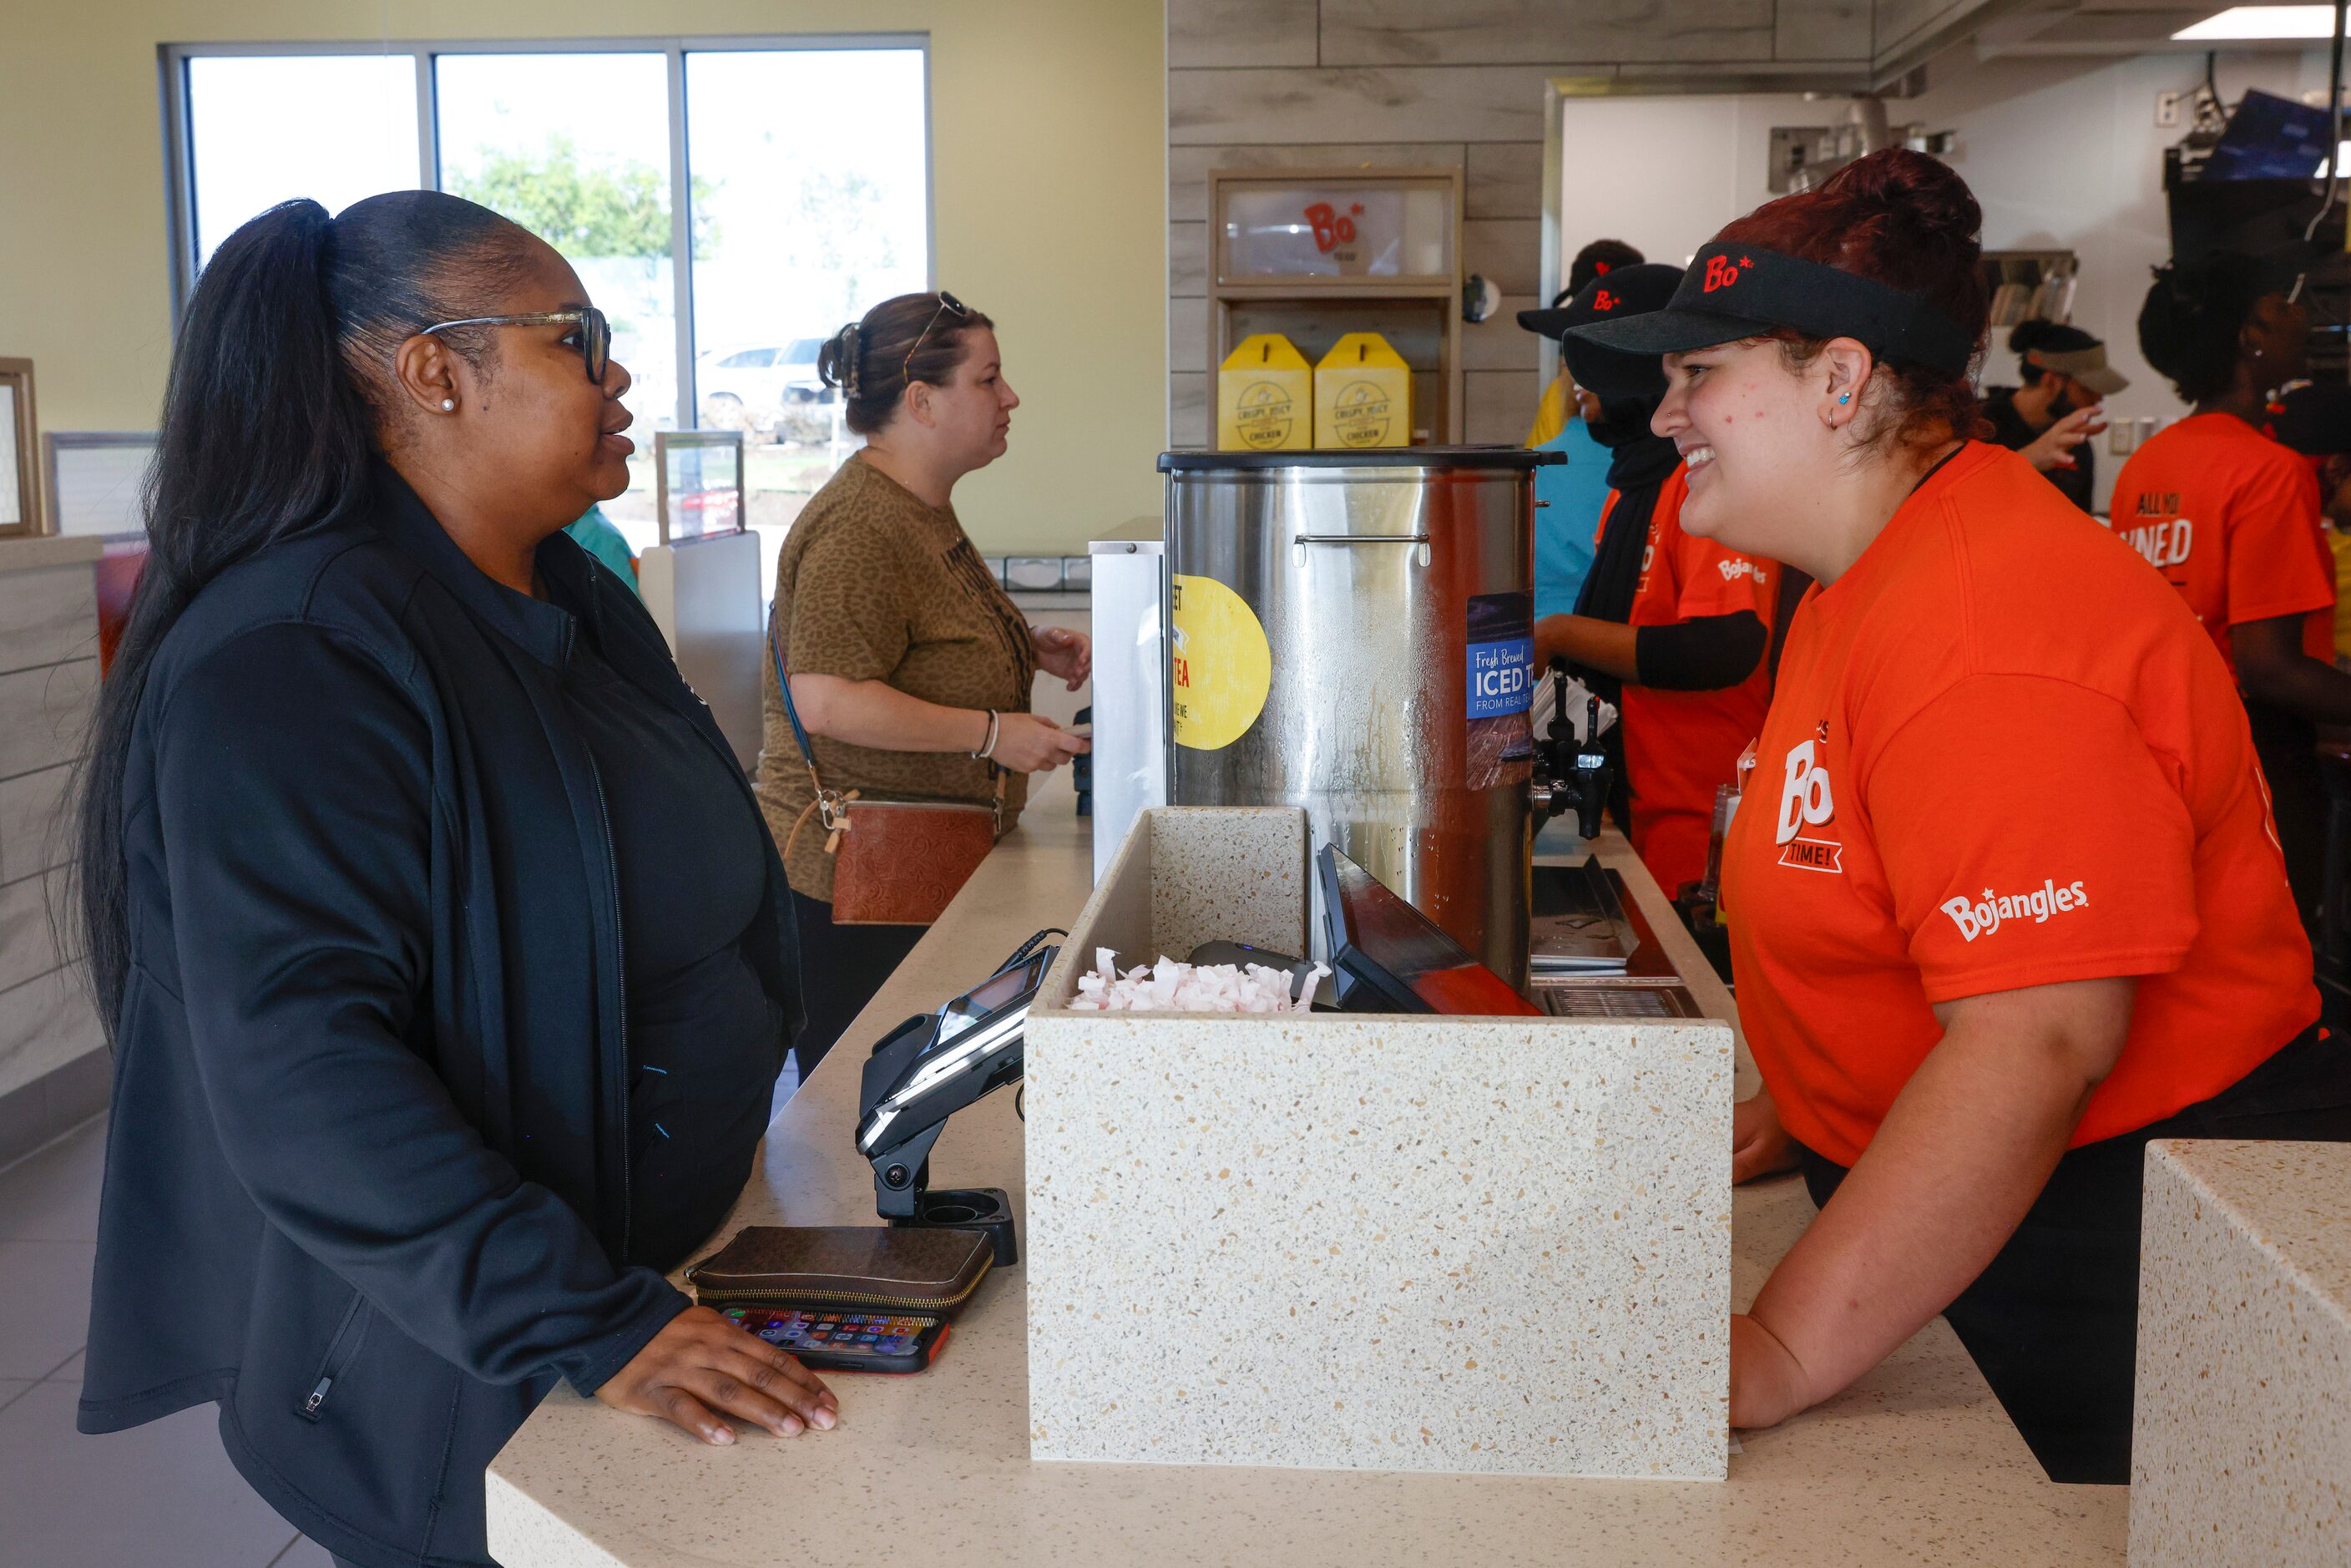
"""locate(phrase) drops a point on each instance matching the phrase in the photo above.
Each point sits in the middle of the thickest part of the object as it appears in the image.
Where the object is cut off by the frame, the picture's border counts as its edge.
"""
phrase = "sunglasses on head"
(948, 304)
(595, 334)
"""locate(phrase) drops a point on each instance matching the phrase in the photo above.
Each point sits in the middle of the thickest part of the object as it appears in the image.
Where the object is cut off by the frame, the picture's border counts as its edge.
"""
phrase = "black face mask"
(1622, 420)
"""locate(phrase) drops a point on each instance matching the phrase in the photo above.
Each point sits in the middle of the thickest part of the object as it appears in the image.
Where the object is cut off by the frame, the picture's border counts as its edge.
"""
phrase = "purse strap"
(830, 804)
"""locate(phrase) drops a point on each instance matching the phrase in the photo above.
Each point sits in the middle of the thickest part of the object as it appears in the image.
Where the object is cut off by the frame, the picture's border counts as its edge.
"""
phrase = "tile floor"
(64, 1501)
(157, 1496)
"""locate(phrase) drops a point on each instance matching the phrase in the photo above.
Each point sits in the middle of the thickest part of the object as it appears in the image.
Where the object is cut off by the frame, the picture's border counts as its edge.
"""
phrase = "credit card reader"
(932, 1066)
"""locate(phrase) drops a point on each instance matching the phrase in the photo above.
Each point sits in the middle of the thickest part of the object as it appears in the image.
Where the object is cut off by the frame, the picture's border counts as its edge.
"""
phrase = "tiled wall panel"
(1489, 32)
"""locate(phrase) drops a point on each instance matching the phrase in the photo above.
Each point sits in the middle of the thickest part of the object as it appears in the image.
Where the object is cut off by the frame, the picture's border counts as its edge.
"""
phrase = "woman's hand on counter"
(1951, 1172)
(1069, 655)
(1759, 1145)
(1767, 1383)
(1027, 744)
(702, 1368)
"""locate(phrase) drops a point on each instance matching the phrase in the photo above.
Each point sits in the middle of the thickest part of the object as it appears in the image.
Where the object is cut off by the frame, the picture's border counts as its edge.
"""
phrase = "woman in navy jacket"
(446, 959)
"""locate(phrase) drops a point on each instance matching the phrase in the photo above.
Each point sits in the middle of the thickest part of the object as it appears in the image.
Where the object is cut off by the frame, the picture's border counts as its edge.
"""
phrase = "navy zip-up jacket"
(366, 1172)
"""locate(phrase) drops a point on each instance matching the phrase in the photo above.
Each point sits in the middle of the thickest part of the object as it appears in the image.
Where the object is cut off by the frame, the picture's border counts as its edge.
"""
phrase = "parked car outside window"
(748, 388)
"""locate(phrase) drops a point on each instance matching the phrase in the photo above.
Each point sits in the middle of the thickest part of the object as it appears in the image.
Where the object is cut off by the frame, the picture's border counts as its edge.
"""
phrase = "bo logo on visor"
(1604, 300)
(1721, 274)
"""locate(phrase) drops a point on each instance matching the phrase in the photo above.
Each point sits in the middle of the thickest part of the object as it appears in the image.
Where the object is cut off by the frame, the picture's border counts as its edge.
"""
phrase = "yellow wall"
(1048, 166)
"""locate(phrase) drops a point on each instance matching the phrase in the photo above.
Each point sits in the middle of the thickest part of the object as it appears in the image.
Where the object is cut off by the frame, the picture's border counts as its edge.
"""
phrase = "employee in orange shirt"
(2230, 518)
(1673, 626)
(2002, 898)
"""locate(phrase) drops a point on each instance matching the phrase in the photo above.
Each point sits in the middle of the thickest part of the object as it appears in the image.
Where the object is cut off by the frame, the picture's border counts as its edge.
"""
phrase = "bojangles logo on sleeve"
(1808, 801)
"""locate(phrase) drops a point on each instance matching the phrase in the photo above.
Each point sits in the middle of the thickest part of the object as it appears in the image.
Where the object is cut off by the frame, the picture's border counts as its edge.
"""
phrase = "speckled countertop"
(1915, 1464)
(2241, 1448)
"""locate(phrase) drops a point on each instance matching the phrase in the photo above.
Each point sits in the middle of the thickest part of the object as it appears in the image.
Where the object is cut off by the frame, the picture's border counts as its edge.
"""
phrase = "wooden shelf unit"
(1418, 314)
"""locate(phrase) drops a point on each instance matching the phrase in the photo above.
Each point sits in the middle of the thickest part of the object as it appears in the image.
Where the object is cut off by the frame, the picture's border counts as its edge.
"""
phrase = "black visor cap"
(1733, 292)
(1565, 313)
(1627, 291)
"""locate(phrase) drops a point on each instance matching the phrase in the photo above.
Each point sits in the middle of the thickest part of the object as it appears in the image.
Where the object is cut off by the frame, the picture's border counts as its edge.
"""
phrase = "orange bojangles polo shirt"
(1680, 744)
(2230, 518)
(2002, 754)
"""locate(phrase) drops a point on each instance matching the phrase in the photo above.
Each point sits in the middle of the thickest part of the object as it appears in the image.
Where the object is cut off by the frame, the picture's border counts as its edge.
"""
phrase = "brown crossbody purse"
(894, 862)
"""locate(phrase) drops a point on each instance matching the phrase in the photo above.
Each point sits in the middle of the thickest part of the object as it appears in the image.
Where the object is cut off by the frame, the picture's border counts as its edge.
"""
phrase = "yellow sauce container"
(1263, 397)
(1362, 395)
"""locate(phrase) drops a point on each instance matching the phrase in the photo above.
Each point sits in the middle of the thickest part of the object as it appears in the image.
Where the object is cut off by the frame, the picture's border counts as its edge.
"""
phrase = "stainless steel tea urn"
(1351, 632)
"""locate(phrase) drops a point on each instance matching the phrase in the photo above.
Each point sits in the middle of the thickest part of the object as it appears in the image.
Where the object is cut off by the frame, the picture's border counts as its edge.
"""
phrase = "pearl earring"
(448, 405)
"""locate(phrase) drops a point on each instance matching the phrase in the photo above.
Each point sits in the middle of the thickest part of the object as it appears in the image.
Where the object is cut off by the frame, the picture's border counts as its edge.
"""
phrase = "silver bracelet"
(995, 721)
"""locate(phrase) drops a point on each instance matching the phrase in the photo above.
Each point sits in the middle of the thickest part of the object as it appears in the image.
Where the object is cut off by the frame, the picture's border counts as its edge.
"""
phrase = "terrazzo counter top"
(2242, 1430)
(1914, 1464)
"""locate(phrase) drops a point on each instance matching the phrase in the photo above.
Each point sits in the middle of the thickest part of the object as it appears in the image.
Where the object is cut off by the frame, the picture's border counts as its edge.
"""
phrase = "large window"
(730, 206)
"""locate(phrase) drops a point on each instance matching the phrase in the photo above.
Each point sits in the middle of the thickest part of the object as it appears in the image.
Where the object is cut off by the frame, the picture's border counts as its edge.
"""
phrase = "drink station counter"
(988, 1457)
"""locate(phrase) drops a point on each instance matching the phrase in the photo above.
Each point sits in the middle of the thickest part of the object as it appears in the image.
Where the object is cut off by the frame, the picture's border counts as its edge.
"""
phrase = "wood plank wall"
(1295, 83)
(49, 682)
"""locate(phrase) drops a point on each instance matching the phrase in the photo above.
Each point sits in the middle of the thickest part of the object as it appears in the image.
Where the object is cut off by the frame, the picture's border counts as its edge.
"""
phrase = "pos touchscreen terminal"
(1392, 959)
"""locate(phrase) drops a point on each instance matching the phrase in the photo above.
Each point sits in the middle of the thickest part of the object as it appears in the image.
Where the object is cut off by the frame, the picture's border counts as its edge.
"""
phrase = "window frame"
(179, 160)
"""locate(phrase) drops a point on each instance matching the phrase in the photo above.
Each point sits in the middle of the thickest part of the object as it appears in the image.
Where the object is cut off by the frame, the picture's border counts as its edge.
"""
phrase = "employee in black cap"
(1671, 625)
(1558, 409)
(1568, 494)
(2052, 417)
(2002, 896)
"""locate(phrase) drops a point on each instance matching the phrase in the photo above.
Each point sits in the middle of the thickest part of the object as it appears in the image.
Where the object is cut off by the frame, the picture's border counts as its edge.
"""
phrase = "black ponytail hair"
(2195, 314)
(279, 391)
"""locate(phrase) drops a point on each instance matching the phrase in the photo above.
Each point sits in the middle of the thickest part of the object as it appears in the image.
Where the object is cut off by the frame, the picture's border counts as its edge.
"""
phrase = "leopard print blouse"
(873, 585)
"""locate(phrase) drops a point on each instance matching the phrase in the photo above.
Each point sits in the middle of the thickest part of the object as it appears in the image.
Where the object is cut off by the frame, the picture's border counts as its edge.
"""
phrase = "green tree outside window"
(616, 209)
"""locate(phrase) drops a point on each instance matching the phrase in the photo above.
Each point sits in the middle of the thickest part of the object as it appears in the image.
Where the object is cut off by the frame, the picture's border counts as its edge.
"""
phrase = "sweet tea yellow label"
(1219, 665)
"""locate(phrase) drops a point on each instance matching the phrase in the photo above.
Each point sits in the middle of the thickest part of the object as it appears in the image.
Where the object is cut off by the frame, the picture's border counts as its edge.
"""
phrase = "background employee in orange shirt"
(2004, 902)
(1671, 627)
(2230, 518)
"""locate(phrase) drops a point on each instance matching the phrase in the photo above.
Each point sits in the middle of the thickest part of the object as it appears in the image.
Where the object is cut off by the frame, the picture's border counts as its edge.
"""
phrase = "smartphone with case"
(827, 1340)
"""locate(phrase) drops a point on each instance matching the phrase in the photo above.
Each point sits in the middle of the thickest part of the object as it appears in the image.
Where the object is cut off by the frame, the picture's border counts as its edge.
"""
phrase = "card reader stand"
(903, 1196)
(925, 1071)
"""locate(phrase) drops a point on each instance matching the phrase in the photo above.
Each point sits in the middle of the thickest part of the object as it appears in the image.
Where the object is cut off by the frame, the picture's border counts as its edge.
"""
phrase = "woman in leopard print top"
(909, 666)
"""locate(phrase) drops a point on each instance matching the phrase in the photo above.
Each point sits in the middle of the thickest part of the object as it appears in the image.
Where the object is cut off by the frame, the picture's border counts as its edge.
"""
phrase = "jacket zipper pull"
(318, 1397)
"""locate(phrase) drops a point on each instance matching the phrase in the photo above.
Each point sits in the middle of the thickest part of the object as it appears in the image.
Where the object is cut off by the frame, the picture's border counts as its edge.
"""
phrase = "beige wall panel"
(32, 808)
(1187, 337)
(28, 941)
(1187, 167)
(1821, 30)
(1507, 250)
(1188, 409)
(1503, 180)
(47, 615)
(45, 1023)
(1187, 258)
(1240, 33)
(1445, 103)
(1500, 343)
(1499, 405)
(45, 714)
(1494, 32)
